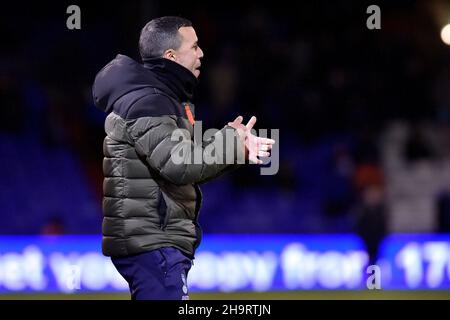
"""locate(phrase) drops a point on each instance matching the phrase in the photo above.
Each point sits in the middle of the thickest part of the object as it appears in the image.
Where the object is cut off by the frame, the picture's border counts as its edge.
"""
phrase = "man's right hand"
(254, 146)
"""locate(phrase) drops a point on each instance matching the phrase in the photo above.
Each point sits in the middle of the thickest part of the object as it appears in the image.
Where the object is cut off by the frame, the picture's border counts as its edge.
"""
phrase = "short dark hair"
(161, 34)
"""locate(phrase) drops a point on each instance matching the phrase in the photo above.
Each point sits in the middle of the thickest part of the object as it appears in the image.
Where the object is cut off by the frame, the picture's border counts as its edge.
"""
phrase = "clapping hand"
(254, 146)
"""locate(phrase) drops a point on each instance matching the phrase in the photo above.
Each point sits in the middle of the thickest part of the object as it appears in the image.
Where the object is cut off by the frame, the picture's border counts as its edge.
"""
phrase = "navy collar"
(177, 78)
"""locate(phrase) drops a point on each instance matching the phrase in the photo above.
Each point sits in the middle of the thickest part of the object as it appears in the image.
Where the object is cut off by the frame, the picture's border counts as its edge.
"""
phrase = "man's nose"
(200, 53)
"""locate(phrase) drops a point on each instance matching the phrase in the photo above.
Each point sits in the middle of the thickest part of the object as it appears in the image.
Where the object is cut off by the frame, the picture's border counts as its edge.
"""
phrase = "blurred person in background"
(370, 209)
(371, 219)
(151, 204)
(53, 226)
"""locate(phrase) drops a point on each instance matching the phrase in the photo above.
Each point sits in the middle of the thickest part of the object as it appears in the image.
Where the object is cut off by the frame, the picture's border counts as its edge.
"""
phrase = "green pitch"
(286, 295)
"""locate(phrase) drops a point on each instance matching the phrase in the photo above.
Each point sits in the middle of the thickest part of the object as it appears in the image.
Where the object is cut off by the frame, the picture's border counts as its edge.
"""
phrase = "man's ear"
(170, 54)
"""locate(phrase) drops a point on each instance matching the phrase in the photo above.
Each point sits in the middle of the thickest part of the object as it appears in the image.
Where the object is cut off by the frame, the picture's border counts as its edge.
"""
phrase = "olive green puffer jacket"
(150, 200)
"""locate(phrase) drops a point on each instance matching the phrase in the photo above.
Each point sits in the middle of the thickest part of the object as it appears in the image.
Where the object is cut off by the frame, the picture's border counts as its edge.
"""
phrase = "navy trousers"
(156, 275)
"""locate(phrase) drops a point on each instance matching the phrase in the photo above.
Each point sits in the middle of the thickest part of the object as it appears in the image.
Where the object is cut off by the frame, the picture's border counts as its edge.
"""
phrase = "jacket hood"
(124, 75)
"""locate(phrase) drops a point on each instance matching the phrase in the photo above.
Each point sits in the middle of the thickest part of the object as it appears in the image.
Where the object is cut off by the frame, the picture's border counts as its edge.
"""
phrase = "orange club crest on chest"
(189, 114)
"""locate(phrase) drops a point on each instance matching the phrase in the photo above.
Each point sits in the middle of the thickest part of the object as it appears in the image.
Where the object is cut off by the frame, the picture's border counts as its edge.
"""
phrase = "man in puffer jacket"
(151, 202)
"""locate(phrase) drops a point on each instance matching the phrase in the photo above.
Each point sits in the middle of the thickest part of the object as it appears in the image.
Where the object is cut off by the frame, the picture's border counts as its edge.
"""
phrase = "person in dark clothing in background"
(151, 202)
(371, 220)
